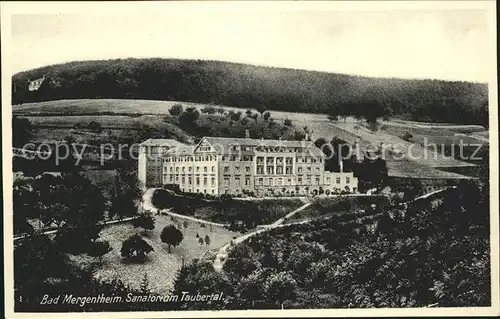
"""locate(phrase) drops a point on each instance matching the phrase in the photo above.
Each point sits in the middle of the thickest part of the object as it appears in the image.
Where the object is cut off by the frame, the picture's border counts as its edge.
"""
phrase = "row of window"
(267, 149)
(337, 180)
(287, 182)
(288, 160)
(269, 170)
(190, 158)
(212, 191)
(237, 181)
(183, 180)
(237, 169)
(244, 158)
(190, 169)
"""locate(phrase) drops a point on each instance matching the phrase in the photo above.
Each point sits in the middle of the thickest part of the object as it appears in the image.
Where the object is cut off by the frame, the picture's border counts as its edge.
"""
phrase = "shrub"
(135, 248)
(176, 109)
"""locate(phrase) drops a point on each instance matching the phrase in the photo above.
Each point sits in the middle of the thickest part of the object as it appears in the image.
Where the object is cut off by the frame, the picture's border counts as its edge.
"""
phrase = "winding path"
(148, 205)
(223, 252)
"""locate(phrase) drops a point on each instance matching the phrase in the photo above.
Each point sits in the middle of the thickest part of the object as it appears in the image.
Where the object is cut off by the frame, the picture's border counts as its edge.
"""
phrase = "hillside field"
(54, 120)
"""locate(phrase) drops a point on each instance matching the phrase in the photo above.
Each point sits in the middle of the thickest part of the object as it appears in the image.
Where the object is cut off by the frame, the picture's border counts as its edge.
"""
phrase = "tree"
(200, 241)
(200, 277)
(176, 109)
(280, 288)
(207, 239)
(99, 248)
(235, 116)
(407, 136)
(171, 236)
(261, 109)
(209, 109)
(266, 115)
(135, 248)
(21, 131)
(144, 286)
(287, 122)
(95, 126)
(79, 206)
(187, 119)
(145, 220)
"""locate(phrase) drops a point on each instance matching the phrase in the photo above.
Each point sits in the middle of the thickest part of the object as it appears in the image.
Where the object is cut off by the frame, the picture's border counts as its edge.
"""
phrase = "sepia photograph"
(214, 159)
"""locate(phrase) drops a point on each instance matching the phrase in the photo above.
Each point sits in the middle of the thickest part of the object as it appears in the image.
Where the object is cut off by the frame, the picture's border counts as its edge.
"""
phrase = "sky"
(440, 44)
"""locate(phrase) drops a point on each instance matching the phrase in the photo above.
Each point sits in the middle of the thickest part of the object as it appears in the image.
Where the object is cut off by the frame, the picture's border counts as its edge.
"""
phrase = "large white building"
(237, 166)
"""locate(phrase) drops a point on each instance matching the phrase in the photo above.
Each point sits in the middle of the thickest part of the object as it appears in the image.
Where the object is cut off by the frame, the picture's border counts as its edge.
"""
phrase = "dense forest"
(432, 254)
(249, 86)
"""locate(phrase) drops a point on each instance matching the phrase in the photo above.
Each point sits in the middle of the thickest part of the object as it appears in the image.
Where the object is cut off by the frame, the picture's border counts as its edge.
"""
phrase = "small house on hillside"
(35, 84)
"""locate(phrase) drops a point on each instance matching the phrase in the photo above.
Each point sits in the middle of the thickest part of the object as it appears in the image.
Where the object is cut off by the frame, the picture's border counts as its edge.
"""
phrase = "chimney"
(247, 133)
(306, 138)
(341, 164)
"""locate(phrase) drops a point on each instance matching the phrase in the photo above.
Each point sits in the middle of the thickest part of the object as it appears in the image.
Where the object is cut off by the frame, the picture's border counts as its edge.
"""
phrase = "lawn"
(326, 207)
(418, 154)
(161, 267)
(249, 212)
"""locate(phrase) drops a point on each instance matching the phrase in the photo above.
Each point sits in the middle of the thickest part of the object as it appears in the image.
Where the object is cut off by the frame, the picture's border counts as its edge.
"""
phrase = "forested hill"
(249, 86)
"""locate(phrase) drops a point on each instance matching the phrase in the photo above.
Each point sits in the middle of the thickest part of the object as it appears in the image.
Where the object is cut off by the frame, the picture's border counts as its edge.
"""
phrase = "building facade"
(240, 166)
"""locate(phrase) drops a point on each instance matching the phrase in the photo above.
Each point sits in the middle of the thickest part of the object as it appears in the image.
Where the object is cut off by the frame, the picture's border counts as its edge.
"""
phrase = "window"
(300, 170)
(280, 182)
(183, 180)
(260, 181)
(197, 168)
(328, 180)
(171, 169)
(213, 180)
(237, 181)
(190, 169)
(237, 169)
(338, 180)
(317, 180)
(270, 182)
(226, 181)
(213, 168)
(247, 181)
(270, 169)
(247, 169)
(197, 181)
(190, 180)
(226, 169)
(317, 169)
(308, 169)
(347, 179)
(205, 169)
(299, 180)
(205, 181)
